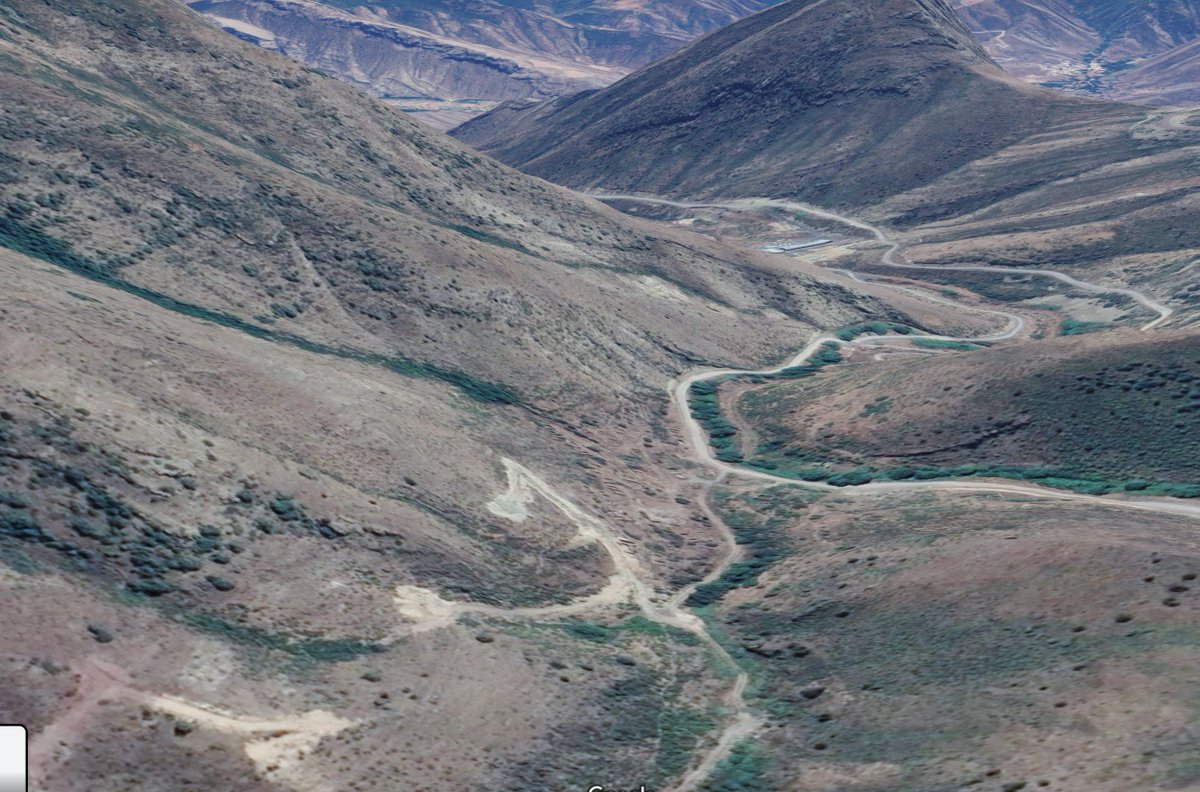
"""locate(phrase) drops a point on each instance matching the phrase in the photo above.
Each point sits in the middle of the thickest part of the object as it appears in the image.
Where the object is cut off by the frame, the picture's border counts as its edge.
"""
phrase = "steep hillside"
(1039, 42)
(1172, 78)
(1141, 51)
(317, 424)
(835, 102)
(1131, 29)
(242, 183)
(451, 59)
(337, 456)
(912, 642)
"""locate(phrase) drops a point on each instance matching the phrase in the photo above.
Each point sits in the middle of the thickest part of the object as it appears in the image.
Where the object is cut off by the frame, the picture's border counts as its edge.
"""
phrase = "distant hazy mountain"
(1142, 50)
(451, 59)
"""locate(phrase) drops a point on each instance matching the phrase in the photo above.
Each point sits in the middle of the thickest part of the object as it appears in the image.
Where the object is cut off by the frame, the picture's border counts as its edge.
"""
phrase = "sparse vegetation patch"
(32, 241)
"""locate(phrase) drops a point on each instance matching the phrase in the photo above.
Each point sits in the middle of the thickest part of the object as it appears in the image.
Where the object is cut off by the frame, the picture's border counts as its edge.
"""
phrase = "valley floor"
(725, 759)
(759, 649)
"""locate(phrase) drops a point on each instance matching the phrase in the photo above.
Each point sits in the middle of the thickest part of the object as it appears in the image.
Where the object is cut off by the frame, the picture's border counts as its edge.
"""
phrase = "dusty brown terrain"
(1115, 406)
(346, 224)
(335, 456)
(1119, 222)
(800, 744)
(920, 642)
(264, 565)
(271, 352)
(1143, 52)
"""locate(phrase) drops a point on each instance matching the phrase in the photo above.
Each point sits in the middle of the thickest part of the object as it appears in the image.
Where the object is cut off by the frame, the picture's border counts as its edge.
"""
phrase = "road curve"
(628, 580)
(703, 453)
(889, 256)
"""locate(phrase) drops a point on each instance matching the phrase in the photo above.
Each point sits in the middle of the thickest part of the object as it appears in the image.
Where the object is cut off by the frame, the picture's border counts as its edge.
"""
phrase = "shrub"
(28, 239)
(852, 478)
(151, 587)
(330, 651)
(1071, 327)
(220, 583)
(872, 328)
(939, 343)
(88, 529)
(588, 631)
(285, 508)
(742, 770)
(21, 526)
(13, 500)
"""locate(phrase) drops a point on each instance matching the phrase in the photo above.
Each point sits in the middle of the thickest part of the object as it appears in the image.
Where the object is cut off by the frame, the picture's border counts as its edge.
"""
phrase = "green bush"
(872, 328)
(88, 529)
(852, 478)
(19, 525)
(13, 500)
(679, 730)
(285, 508)
(329, 651)
(742, 771)
(764, 544)
(1071, 327)
(151, 586)
(939, 343)
(588, 631)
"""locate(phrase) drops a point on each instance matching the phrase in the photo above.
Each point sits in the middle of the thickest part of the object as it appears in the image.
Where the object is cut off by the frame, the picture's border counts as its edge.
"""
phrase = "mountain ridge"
(450, 59)
(807, 55)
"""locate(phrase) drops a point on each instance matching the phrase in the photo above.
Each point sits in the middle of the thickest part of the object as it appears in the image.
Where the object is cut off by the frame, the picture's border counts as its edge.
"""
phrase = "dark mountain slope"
(890, 110)
(833, 101)
(1133, 27)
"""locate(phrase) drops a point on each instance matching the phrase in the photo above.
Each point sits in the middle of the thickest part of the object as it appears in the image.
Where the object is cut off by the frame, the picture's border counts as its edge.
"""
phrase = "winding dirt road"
(893, 247)
(629, 580)
(703, 453)
(291, 737)
(744, 724)
(424, 610)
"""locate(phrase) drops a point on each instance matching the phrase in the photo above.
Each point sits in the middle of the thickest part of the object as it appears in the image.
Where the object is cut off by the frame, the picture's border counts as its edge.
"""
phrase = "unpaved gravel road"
(288, 738)
(889, 256)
